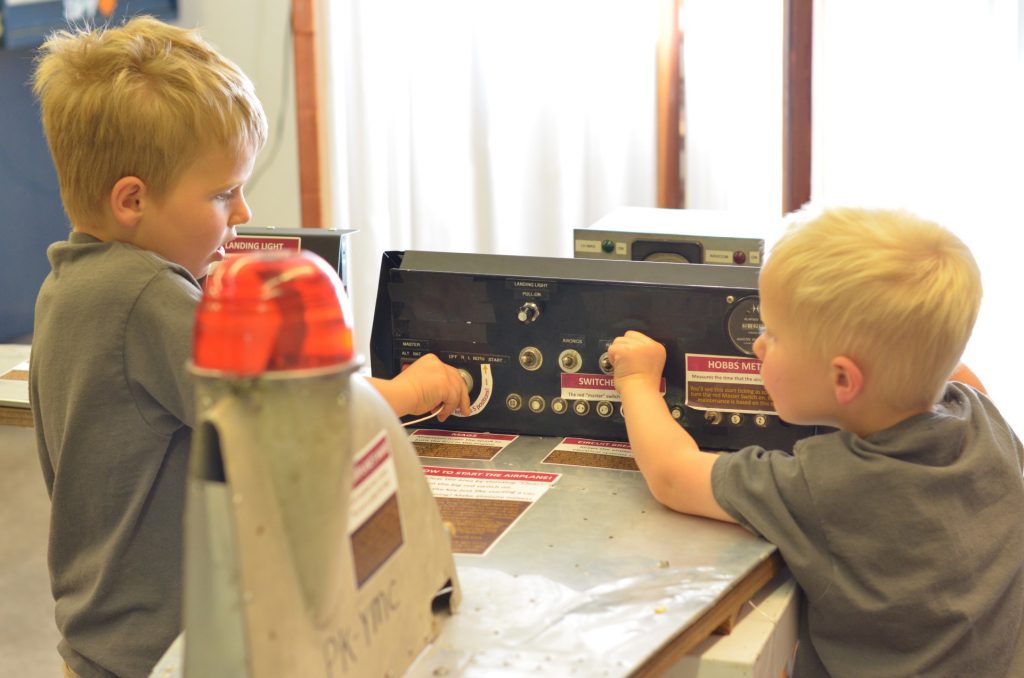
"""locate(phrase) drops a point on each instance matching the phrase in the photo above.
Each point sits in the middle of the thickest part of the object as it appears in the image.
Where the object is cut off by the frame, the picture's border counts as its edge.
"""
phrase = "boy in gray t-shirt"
(153, 135)
(905, 528)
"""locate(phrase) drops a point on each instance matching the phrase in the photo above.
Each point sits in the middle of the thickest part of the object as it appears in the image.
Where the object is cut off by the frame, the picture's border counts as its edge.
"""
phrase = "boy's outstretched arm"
(423, 386)
(677, 472)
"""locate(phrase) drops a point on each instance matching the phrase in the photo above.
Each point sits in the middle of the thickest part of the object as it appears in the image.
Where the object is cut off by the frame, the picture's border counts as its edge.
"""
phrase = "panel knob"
(528, 312)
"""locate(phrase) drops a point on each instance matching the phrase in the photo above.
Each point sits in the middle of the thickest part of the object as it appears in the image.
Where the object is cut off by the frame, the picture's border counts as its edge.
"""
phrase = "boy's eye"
(228, 195)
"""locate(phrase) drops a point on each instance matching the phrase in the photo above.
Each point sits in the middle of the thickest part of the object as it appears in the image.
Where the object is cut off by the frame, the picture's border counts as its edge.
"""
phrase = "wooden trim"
(304, 38)
(721, 615)
(796, 136)
(670, 192)
(16, 416)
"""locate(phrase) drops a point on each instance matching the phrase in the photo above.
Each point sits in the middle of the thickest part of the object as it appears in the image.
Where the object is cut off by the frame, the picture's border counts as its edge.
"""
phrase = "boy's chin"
(794, 419)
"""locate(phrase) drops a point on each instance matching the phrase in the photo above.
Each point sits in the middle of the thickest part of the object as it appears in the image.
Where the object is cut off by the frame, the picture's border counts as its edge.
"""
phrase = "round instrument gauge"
(744, 323)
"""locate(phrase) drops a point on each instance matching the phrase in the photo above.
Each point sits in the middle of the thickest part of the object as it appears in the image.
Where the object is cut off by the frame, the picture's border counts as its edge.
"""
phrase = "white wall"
(256, 35)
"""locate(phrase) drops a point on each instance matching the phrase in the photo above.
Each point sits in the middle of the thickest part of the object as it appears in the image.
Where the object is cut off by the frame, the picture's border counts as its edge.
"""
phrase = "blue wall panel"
(25, 25)
(31, 216)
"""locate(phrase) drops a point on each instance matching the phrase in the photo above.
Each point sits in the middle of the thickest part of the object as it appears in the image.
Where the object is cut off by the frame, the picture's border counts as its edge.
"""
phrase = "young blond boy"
(153, 135)
(904, 529)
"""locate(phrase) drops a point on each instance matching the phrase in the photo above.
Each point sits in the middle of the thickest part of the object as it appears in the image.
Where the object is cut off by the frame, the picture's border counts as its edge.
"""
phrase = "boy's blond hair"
(144, 99)
(894, 292)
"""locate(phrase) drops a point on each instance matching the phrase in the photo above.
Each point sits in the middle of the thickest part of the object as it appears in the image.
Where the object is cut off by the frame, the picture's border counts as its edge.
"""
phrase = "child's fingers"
(455, 396)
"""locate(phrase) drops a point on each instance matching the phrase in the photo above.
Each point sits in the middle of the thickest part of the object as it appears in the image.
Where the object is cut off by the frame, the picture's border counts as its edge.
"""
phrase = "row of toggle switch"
(569, 360)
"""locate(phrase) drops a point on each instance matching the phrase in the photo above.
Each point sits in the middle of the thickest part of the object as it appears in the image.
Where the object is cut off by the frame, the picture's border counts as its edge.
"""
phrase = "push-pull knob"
(528, 312)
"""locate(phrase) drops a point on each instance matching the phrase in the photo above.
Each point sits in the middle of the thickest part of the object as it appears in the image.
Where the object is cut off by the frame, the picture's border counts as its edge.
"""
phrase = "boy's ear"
(847, 379)
(126, 199)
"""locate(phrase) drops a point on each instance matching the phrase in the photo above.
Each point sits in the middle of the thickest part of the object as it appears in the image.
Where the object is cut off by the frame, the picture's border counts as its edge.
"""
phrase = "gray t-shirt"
(112, 402)
(908, 544)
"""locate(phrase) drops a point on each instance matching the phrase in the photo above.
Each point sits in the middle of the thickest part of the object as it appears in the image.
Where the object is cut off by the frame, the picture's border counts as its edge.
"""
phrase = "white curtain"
(916, 104)
(733, 60)
(485, 126)
(920, 104)
(498, 127)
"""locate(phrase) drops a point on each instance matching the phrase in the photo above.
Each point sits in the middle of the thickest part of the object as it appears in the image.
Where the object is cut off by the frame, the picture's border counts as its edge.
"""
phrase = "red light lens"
(272, 312)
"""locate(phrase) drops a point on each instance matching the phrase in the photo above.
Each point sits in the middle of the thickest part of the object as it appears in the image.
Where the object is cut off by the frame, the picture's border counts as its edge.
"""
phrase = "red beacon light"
(272, 313)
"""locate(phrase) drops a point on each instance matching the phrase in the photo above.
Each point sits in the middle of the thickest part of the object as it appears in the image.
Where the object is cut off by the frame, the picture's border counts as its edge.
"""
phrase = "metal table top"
(592, 580)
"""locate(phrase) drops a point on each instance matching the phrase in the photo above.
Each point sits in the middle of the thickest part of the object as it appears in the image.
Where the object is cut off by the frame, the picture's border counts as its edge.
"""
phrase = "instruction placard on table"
(459, 444)
(482, 504)
(17, 373)
(729, 383)
(593, 453)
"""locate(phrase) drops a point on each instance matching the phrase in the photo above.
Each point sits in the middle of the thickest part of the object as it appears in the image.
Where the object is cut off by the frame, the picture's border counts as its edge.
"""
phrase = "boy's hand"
(423, 386)
(638, 360)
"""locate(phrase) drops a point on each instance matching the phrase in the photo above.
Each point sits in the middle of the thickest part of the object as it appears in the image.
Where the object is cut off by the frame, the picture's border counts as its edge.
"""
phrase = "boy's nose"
(242, 213)
(758, 347)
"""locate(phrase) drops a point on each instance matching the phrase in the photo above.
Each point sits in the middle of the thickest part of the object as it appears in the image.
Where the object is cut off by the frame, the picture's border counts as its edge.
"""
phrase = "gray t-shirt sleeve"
(919, 521)
(158, 346)
(766, 492)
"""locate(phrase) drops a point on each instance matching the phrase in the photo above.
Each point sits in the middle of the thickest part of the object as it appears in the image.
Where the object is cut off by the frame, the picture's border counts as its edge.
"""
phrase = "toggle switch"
(531, 358)
(528, 312)
(570, 360)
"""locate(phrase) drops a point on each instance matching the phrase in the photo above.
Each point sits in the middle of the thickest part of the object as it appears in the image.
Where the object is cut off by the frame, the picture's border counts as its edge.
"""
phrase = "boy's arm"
(677, 472)
(423, 386)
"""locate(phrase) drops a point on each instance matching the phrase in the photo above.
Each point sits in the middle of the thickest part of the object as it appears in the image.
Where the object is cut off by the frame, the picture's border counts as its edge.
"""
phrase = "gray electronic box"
(327, 243)
(674, 236)
(530, 336)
